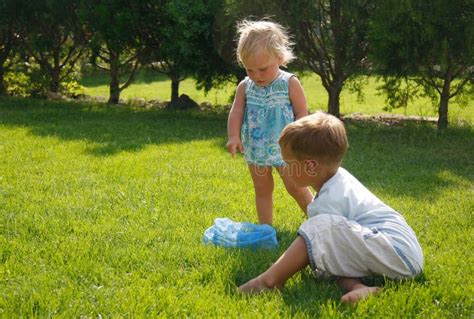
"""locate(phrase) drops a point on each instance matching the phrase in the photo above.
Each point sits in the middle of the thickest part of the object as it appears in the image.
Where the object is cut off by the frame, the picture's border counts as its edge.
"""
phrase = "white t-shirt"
(344, 195)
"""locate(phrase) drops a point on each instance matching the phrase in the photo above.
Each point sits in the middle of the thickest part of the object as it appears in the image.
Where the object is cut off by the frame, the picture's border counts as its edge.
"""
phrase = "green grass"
(151, 85)
(102, 211)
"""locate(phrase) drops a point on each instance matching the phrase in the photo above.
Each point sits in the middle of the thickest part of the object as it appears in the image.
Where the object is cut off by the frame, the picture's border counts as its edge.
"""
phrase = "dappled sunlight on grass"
(453, 179)
(397, 160)
(116, 129)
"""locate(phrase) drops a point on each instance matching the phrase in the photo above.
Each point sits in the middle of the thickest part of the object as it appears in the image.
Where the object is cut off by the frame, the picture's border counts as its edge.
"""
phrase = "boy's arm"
(234, 122)
(297, 98)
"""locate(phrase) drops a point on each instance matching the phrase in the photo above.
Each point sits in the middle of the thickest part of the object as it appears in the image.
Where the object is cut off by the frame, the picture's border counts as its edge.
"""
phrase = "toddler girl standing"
(265, 102)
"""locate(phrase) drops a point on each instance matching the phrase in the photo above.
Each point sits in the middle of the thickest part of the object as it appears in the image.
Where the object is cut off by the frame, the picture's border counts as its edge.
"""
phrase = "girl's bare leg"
(355, 289)
(293, 259)
(263, 184)
(302, 195)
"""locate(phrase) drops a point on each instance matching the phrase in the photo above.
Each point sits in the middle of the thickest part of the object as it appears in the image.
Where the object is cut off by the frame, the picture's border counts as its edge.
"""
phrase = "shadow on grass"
(411, 160)
(111, 129)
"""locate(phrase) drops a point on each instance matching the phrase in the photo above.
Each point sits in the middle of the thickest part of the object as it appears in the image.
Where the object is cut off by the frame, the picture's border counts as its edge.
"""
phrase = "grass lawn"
(151, 85)
(102, 211)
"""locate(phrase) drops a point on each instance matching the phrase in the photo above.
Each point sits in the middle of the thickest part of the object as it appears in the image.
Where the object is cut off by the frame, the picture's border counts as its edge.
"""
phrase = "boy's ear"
(311, 165)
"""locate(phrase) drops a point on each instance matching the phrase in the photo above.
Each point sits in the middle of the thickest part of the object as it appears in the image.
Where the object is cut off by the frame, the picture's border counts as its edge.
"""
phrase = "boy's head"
(263, 37)
(319, 136)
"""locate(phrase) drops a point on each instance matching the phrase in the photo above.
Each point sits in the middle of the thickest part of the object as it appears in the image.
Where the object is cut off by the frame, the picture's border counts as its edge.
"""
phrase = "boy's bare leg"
(293, 259)
(355, 289)
(302, 195)
(263, 184)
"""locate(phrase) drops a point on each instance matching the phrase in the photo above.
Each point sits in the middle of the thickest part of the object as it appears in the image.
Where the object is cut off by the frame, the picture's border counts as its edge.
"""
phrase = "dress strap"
(286, 75)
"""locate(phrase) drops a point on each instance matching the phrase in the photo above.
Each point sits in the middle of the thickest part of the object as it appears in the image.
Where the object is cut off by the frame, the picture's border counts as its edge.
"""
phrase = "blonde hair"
(319, 136)
(267, 36)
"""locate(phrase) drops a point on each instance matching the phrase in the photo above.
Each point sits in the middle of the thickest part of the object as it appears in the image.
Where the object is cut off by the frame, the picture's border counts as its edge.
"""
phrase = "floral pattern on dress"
(267, 111)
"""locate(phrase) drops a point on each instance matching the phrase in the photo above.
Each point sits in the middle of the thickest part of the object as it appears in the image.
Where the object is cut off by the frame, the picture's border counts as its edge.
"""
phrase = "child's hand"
(234, 145)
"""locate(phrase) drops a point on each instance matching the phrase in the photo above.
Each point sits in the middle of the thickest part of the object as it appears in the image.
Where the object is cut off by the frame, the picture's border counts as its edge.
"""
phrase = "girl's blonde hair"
(267, 36)
(318, 136)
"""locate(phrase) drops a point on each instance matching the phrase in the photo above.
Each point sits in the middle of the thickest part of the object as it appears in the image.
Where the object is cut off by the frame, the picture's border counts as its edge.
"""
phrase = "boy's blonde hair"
(268, 36)
(318, 136)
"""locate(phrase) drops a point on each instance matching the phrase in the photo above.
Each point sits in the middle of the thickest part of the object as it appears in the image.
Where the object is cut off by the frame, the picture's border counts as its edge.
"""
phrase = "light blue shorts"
(340, 247)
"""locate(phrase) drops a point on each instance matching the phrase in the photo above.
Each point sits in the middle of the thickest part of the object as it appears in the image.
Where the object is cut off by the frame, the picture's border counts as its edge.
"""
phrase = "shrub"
(18, 84)
(72, 89)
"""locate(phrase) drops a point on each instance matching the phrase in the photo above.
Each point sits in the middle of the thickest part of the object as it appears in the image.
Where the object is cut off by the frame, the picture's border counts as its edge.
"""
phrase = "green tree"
(171, 36)
(331, 38)
(430, 43)
(11, 26)
(116, 43)
(180, 43)
(227, 14)
(54, 39)
(206, 64)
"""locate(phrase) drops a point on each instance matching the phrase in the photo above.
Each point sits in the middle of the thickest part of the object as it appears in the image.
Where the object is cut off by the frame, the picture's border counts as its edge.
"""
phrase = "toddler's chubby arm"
(297, 98)
(234, 122)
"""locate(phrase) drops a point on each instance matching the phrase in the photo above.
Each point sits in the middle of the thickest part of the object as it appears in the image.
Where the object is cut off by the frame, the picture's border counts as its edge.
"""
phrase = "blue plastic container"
(227, 233)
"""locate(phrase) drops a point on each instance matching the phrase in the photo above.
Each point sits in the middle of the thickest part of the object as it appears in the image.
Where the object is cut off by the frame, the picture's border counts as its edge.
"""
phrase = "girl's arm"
(297, 98)
(234, 122)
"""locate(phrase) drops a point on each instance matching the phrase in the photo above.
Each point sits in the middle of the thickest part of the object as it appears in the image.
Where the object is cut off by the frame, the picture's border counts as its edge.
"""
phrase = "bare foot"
(359, 293)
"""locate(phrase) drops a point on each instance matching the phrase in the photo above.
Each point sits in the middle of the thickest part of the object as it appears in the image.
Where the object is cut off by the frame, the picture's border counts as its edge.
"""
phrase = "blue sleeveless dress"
(267, 111)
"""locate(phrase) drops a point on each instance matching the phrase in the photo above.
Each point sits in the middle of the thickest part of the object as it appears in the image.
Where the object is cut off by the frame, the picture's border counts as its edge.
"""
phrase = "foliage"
(55, 40)
(181, 44)
(115, 26)
(208, 65)
(226, 17)
(399, 91)
(18, 84)
(429, 42)
(331, 40)
(196, 39)
(12, 22)
(23, 85)
(184, 44)
(233, 11)
(73, 89)
(27, 79)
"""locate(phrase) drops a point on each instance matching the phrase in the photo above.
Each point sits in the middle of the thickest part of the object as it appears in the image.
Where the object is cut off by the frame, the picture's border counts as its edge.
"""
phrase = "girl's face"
(262, 68)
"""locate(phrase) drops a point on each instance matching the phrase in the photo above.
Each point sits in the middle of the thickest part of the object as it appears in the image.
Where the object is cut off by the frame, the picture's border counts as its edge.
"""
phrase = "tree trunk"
(54, 85)
(335, 87)
(114, 79)
(56, 76)
(443, 104)
(174, 89)
(3, 89)
(4, 54)
(333, 98)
